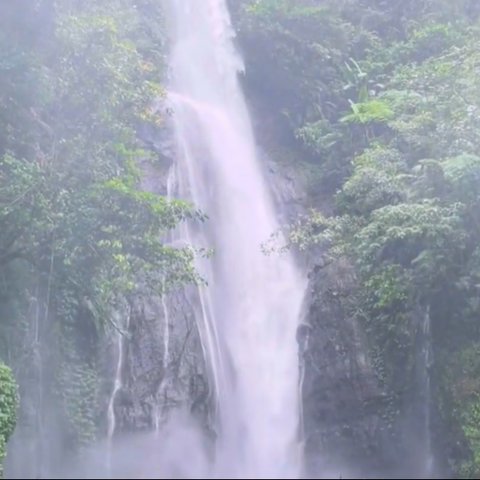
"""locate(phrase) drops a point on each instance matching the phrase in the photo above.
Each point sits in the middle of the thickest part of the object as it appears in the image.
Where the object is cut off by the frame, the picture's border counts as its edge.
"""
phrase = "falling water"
(427, 355)
(165, 334)
(39, 464)
(303, 338)
(166, 353)
(248, 313)
(117, 385)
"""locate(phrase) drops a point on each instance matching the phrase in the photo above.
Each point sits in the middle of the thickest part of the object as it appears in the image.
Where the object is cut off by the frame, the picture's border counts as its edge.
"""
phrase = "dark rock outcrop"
(346, 412)
(156, 383)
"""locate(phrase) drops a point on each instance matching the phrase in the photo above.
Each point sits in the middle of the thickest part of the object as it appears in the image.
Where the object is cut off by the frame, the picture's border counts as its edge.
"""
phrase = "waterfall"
(427, 358)
(249, 310)
(303, 338)
(161, 393)
(117, 385)
(166, 354)
(39, 386)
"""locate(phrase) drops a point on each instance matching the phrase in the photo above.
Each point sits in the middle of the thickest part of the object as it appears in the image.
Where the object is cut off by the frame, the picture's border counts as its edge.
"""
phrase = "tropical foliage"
(79, 235)
(382, 98)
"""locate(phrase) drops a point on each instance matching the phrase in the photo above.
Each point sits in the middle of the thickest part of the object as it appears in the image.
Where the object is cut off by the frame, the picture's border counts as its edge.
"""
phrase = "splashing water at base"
(250, 309)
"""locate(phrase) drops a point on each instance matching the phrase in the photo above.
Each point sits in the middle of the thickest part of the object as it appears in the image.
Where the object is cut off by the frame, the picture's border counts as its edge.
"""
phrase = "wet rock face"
(345, 409)
(288, 189)
(157, 382)
(164, 368)
(353, 424)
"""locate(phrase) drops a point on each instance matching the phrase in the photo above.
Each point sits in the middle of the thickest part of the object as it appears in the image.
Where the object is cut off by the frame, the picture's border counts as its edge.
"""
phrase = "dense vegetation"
(380, 100)
(376, 101)
(8, 406)
(79, 237)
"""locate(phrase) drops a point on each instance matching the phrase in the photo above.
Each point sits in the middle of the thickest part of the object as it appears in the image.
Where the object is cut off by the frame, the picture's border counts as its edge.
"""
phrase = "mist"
(239, 239)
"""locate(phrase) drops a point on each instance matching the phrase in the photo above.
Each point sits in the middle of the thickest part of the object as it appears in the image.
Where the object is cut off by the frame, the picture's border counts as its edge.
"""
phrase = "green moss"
(79, 393)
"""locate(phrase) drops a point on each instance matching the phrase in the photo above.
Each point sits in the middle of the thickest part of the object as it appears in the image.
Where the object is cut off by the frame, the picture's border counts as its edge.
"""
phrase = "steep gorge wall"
(365, 406)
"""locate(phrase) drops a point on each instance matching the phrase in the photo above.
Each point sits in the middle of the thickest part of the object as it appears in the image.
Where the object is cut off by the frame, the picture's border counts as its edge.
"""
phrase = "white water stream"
(117, 385)
(250, 309)
(427, 354)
